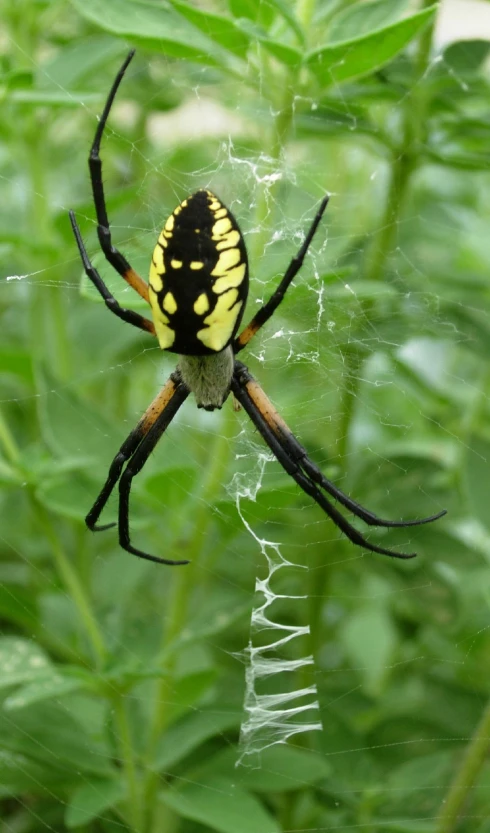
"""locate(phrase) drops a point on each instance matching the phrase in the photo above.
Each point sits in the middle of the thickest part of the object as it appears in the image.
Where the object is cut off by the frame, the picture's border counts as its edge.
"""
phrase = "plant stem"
(7, 441)
(128, 759)
(183, 582)
(405, 158)
(73, 585)
(474, 758)
(304, 12)
(404, 162)
(267, 189)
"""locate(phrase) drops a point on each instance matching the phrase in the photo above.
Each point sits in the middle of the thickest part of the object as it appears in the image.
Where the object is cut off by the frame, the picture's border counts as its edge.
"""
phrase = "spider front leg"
(125, 314)
(294, 459)
(113, 255)
(265, 312)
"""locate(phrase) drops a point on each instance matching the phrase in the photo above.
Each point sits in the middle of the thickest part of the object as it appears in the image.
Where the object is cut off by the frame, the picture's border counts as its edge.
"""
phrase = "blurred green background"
(122, 689)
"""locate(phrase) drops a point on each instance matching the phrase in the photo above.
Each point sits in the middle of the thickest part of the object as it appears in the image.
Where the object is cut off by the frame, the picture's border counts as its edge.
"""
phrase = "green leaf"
(69, 426)
(91, 799)
(221, 29)
(53, 685)
(155, 26)
(413, 788)
(221, 805)
(22, 774)
(58, 98)
(363, 18)
(461, 143)
(359, 290)
(477, 476)
(17, 362)
(17, 605)
(79, 61)
(282, 768)
(360, 56)
(67, 495)
(189, 690)
(285, 54)
(192, 730)
(262, 13)
(466, 56)
(20, 661)
(369, 639)
(48, 732)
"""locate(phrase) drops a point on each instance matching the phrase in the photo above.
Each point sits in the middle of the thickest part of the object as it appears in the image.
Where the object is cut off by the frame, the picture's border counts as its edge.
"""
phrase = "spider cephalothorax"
(197, 292)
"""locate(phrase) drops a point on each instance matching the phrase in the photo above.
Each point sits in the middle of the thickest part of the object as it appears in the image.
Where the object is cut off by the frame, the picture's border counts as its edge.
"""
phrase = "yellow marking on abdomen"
(164, 333)
(221, 227)
(169, 303)
(221, 321)
(158, 259)
(226, 260)
(196, 264)
(201, 304)
(176, 264)
(229, 240)
(156, 281)
(232, 278)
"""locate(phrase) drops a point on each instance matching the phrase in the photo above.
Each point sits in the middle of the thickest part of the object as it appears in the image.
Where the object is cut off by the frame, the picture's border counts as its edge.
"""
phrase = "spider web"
(212, 487)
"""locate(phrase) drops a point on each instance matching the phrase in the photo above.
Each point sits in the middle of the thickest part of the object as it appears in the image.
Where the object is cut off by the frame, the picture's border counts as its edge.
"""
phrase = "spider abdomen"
(198, 277)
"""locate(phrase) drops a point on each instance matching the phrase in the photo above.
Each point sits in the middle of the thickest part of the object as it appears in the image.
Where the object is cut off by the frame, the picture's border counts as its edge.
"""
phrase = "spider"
(197, 289)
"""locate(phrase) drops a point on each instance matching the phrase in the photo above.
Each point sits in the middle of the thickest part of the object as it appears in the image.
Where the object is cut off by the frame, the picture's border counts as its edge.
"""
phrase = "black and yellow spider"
(197, 292)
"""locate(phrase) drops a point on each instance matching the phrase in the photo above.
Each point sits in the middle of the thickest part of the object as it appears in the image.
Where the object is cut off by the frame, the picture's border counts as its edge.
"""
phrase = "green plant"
(122, 698)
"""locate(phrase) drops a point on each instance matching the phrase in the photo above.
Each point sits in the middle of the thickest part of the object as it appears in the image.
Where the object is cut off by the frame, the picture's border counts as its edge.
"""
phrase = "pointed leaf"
(155, 26)
(21, 660)
(219, 804)
(54, 685)
(221, 29)
(91, 799)
(194, 729)
(282, 768)
(342, 61)
(363, 18)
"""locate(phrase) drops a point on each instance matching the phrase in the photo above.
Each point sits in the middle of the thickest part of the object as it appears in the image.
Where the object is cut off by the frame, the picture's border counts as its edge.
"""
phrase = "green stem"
(404, 162)
(284, 81)
(73, 585)
(304, 13)
(404, 159)
(8, 442)
(183, 583)
(348, 398)
(135, 812)
(471, 765)
(267, 190)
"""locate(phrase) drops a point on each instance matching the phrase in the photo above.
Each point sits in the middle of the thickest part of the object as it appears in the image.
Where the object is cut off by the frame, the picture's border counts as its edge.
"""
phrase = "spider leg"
(113, 255)
(174, 392)
(270, 307)
(299, 454)
(136, 463)
(293, 458)
(126, 314)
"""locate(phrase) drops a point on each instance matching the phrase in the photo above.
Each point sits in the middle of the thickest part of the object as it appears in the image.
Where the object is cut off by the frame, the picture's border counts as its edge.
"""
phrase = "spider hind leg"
(135, 452)
(294, 459)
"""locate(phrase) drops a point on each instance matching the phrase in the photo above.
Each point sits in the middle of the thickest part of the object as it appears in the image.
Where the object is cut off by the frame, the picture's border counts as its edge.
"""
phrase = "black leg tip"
(98, 527)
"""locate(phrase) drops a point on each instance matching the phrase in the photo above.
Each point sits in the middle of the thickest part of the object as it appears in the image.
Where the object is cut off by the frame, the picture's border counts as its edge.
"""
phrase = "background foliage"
(122, 699)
